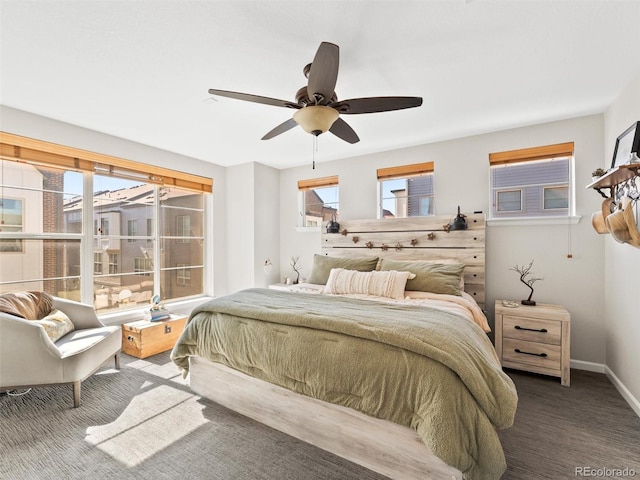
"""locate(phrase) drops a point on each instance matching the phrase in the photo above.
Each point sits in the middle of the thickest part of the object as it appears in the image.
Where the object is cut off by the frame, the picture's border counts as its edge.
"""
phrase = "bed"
(405, 382)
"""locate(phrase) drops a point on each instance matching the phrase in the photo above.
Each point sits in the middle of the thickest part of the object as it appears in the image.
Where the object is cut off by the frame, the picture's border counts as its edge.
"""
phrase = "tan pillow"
(430, 277)
(56, 324)
(389, 284)
(28, 305)
(322, 265)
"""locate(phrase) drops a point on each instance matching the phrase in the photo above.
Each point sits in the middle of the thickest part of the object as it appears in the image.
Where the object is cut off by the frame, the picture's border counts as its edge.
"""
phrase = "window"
(183, 275)
(150, 232)
(509, 200)
(556, 198)
(318, 201)
(532, 182)
(48, 180)
(97, 263)
(113, 263)
(132, 230)
(11, 221)
(406, 191)
(143, 266)
(183, 228)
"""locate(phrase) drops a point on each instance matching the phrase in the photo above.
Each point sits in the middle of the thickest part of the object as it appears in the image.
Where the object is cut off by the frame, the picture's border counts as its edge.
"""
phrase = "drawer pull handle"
(517, 350)
(541, 330)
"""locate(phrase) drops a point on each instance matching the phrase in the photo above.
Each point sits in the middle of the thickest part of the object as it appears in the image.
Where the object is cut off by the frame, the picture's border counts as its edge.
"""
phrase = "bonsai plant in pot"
(597, 173)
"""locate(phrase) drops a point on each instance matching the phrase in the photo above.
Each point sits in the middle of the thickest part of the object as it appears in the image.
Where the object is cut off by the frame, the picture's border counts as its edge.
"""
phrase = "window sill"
(529, 221)
(307, 229)
(183, 307)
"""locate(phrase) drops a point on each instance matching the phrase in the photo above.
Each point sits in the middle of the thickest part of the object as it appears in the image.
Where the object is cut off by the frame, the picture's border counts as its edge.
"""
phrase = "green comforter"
(416, 366)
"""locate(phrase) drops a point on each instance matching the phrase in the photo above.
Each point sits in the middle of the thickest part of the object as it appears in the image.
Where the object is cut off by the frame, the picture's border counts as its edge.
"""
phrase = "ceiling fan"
(318, 107)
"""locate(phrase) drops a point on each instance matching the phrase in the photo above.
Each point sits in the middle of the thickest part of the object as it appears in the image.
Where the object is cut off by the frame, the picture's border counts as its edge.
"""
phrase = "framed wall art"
(626, 145)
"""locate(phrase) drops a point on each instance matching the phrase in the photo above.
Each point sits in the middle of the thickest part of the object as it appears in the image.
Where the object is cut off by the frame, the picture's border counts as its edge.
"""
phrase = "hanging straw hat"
(597, 219)
(630, 220)
(618, 226)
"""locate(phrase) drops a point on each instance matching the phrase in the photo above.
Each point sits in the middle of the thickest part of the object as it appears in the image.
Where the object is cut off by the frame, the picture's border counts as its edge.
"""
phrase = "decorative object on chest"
(145, 338)
(534, 339)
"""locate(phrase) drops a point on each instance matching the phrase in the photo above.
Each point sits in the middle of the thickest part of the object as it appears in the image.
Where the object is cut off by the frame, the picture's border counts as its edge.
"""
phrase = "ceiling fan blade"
(283, 127)
(341, 129)
(247, 97)
(375, 104)
(324, 72)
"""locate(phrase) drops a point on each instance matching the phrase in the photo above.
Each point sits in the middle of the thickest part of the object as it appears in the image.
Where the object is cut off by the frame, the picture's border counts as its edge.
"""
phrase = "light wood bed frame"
(384, 447)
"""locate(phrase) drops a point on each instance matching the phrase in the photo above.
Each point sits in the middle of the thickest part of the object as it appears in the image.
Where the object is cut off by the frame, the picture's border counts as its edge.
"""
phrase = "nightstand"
(144, 338)
(534, 338)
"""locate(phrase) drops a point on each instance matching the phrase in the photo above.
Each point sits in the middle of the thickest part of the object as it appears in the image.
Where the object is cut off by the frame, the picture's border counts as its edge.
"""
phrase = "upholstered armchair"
(30, 358)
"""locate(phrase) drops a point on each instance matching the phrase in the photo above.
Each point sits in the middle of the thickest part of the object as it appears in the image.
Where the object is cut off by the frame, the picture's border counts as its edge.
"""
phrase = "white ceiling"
(140, 69)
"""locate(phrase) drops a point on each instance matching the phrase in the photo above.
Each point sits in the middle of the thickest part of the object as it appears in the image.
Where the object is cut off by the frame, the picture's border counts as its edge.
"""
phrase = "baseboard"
(602, 368)
(588, 366)
(624, 391)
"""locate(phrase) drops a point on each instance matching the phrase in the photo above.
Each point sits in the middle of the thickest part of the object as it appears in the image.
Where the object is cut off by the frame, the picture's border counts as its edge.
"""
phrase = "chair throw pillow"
(28, 305)
(57, 324)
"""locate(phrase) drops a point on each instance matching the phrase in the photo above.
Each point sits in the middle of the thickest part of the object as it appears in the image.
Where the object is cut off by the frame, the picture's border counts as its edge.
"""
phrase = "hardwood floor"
(561, 432)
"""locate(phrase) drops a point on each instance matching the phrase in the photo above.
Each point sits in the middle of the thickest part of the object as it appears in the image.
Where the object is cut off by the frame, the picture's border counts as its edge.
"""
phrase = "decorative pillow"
(28, 305)
(389, 284)
(430, 277)
(322, 266)
(56, 324)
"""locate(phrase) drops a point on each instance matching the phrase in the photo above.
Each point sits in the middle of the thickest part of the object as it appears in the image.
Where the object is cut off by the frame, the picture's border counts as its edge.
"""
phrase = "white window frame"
(406, 173)
(302, 208)
(58, 158)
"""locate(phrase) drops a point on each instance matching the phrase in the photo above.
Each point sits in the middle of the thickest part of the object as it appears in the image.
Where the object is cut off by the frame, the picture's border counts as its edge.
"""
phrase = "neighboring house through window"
(532, 182)
(406, 191)
(318, 201)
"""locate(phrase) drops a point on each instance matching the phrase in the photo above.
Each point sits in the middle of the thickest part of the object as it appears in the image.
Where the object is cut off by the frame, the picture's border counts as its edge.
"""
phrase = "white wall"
(267, 224)
(622, 264)
(41, 128)
(252, 227)
(462, 178)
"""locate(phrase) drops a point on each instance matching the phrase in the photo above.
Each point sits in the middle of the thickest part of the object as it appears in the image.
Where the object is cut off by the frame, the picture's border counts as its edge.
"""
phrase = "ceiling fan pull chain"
(314, 148)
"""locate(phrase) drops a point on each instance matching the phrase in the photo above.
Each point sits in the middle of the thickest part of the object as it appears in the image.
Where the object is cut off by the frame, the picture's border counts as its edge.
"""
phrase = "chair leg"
(117, 360)
(76, 394)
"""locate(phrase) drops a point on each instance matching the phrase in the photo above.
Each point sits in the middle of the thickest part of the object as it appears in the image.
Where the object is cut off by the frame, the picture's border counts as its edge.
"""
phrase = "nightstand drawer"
(532, 330)
(531, 353)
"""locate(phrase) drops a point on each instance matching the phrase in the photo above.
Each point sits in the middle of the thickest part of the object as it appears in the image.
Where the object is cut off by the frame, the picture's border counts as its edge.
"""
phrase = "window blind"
(405, 170)
(532, 182)
(38, 152)
(531, 154)
(318, 183)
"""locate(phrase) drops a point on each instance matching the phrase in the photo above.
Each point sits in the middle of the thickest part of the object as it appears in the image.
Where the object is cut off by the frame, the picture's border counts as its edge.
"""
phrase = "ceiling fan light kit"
(317, 105)
(316, 119)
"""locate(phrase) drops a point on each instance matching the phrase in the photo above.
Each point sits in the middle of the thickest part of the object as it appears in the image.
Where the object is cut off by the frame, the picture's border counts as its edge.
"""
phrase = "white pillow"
(56, 324)
(390, 283)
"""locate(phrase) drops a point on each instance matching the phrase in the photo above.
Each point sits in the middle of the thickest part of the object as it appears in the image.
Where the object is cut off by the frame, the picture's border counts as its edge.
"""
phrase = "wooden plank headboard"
(415, 238)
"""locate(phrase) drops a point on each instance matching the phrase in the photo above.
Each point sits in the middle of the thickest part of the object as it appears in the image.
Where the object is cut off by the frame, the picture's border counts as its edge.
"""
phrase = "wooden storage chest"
(144, 338)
